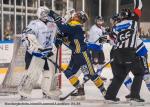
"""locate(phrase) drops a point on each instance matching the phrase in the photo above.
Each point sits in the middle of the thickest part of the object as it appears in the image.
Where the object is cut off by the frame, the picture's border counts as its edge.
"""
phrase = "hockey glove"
(55, 16)
(58, 42)
(43, 53)
(103, 39)
(94, 47)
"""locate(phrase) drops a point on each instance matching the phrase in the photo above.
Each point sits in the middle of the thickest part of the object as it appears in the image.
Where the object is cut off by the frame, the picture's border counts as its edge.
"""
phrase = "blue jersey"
(75, 35)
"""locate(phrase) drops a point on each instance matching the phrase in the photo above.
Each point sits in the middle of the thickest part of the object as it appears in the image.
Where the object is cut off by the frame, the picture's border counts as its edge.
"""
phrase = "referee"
(124, 54)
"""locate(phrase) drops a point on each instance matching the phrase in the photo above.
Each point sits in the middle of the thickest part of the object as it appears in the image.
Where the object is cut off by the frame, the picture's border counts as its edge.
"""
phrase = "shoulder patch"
(122, 27)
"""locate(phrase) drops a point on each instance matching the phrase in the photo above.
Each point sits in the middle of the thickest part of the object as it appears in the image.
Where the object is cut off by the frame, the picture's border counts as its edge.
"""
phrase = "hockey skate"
(79, 94)
(111, 100)
(23, 95)
(54, 94)
(128, 97)
(135, 101)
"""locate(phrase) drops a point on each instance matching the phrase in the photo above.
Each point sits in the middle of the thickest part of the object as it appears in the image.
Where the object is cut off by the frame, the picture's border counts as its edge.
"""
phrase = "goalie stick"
(56, 60)
(63, 98)
(56, 65)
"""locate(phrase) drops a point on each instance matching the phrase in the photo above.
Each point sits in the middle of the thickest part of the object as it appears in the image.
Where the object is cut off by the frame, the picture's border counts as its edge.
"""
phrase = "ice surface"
(93, 97)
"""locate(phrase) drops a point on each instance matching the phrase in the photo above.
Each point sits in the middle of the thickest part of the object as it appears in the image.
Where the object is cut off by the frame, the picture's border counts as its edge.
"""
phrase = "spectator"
(8, 31)
(149, 32)
(0, 35)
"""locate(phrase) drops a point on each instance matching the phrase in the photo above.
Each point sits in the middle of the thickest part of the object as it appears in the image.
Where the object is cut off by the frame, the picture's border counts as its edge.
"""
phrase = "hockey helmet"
(82, 16)
(116, 18)
(99, 21)
(124, 13)
(99, 18)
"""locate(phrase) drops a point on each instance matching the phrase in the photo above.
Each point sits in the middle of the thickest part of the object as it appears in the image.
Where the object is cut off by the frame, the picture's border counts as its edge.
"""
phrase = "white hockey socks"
(147, 80)
(128, 82)
(99, 71)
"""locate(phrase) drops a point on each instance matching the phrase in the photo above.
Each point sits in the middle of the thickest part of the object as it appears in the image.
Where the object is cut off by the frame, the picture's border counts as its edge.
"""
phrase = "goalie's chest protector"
(46, 33)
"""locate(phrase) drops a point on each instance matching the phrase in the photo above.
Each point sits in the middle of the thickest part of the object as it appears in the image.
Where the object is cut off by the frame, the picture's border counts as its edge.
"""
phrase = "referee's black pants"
(120, 71)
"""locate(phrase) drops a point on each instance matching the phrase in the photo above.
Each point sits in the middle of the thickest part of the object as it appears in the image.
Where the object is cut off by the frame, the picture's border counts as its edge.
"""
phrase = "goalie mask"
(115, 19)
(42, 14)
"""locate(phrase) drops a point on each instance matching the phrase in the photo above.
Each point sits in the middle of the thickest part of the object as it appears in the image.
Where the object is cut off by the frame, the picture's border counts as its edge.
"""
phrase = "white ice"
(93, 97)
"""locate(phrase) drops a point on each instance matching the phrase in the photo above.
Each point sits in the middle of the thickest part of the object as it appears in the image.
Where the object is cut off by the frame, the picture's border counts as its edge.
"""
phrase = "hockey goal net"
(16, 69)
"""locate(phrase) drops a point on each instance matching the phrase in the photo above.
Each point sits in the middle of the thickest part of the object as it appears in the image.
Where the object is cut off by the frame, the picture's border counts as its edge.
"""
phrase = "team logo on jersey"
(47, 43)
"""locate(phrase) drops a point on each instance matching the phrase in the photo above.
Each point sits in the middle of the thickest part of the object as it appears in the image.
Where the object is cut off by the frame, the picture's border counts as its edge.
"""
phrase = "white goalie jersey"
(44, 33)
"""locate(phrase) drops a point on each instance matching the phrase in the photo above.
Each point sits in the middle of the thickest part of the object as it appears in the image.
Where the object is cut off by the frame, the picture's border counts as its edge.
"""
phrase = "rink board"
(6, 50)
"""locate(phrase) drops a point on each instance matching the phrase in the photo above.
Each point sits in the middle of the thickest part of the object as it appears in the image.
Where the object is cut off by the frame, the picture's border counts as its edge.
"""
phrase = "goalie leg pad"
(54, 81)
(50, 82)
(30, 78)
(49, 85)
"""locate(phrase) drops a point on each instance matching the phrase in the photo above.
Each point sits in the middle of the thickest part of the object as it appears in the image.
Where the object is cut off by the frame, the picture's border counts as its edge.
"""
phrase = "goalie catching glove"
(55, 16)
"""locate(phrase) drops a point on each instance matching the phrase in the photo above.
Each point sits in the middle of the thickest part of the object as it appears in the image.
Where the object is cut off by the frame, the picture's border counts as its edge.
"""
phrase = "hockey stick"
(100, 38)
(63, 98)
(56, 65)
(56, 60)
(55, 83)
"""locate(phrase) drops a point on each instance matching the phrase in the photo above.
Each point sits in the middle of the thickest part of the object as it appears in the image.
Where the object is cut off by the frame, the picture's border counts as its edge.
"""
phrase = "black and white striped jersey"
(125, 31)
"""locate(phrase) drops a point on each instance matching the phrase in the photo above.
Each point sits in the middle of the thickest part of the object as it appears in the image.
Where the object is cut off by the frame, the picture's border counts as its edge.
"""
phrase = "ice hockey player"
(95, 39)
(124, 54)
(143, 54)
(141, 51)
(38, 38)
(80, 55)
(95, 35)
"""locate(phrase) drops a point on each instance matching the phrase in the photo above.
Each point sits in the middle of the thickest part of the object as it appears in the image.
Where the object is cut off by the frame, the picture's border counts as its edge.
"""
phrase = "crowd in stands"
(9, 32)
(145, 35)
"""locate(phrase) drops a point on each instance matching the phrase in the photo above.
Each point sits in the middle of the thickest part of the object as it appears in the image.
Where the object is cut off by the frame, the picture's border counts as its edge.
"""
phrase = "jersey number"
(124, 35)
